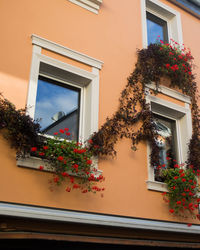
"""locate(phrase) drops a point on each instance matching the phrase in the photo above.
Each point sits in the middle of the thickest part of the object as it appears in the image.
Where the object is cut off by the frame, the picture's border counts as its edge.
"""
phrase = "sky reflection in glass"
(53, 98)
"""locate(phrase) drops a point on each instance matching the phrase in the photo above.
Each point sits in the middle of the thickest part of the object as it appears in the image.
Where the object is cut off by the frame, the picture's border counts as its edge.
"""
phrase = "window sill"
(157, 186)
(35, 163)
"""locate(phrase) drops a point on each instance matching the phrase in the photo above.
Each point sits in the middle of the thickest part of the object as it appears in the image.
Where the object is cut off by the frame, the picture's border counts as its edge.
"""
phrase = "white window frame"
(163, 11)
(182, 116)
(89, 87)
(91, 5)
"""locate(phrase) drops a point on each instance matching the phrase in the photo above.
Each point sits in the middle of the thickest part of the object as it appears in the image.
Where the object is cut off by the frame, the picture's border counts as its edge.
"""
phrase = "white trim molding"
(91, 5)
(86, 81)
(51, 214)
(64, 51)
(182, 117)
(35, 162)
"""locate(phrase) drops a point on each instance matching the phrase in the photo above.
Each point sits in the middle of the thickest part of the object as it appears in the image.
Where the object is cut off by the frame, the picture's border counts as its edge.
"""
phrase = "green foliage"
(69, 158)
(183, 189)
(18, 127)
(134, 119)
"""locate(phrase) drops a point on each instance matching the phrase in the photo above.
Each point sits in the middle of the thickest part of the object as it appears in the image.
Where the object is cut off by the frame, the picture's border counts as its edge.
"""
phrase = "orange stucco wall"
(112, 36)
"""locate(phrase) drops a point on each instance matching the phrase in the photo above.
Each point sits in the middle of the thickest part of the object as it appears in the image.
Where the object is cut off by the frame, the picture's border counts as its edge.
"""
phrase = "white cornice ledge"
(91, 5)
(64, 51)
(26, 211)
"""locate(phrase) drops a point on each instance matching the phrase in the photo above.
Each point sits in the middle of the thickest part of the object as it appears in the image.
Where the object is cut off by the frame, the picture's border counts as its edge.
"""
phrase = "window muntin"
(156, 27)
(57, 107)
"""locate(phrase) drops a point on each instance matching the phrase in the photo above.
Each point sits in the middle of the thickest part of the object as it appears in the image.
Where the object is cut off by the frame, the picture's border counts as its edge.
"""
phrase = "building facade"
(69, 60)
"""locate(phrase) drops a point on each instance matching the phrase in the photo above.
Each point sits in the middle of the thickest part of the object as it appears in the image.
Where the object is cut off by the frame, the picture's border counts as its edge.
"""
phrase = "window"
(159, 19)
(156, 27)
(167, 142)
(62, 95)
(174, 126)
(58, 107)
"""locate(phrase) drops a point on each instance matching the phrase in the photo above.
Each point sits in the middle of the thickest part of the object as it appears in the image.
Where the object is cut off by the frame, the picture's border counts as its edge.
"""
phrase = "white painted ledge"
(156, 186)
(91, 5)
(65, 51)
(170, 92)
(35, 163)
(25, 211)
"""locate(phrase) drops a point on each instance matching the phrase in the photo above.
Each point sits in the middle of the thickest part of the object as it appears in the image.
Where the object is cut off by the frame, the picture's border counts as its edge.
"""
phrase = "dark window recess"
(156, 27)
(167, 142)
(57, 107)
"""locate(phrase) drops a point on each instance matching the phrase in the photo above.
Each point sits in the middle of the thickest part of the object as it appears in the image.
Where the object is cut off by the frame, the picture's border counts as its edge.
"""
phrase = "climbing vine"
(134, 119)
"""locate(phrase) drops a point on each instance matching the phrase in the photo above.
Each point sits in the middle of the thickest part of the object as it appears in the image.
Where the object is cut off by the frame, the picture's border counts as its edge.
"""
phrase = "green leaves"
(183, 191)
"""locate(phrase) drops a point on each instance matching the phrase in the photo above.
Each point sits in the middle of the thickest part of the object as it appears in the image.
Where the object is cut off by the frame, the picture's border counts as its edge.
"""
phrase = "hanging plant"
(183, 189)
(158, 60)
(71, 162)
(18, 127)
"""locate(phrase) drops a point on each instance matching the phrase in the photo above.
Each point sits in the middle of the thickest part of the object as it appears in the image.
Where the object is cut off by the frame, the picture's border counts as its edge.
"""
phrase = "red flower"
(45, 147)
(56, 179)
(75, 165)
(41, 153)
(41, 168)
(183, 180)
(167, 65)
(178, 202)
(76, 186)
(68, 189)
(61, 131)
(33, 149)
(171, 210)
(175, 177)
(68, 133)
(189, 224)
(89, 162)
(84, 191)
(64, 174)
(66, 129)
(55, 133)
(60, 158)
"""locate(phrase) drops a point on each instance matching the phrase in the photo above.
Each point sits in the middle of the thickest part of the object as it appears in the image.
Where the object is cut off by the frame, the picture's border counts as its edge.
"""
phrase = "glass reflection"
(57, 107)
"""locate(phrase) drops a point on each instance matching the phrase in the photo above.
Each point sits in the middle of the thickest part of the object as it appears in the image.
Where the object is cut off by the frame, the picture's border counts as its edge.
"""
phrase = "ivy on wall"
(134, 119)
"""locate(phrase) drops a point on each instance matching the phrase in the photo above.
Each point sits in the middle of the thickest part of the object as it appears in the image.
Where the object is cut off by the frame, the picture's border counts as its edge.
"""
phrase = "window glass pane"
(57, 107)
(167, 142)
(156, 27)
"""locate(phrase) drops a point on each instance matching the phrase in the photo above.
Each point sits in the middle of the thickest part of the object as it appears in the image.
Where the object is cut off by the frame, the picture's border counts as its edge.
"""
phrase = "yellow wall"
(113, 37)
